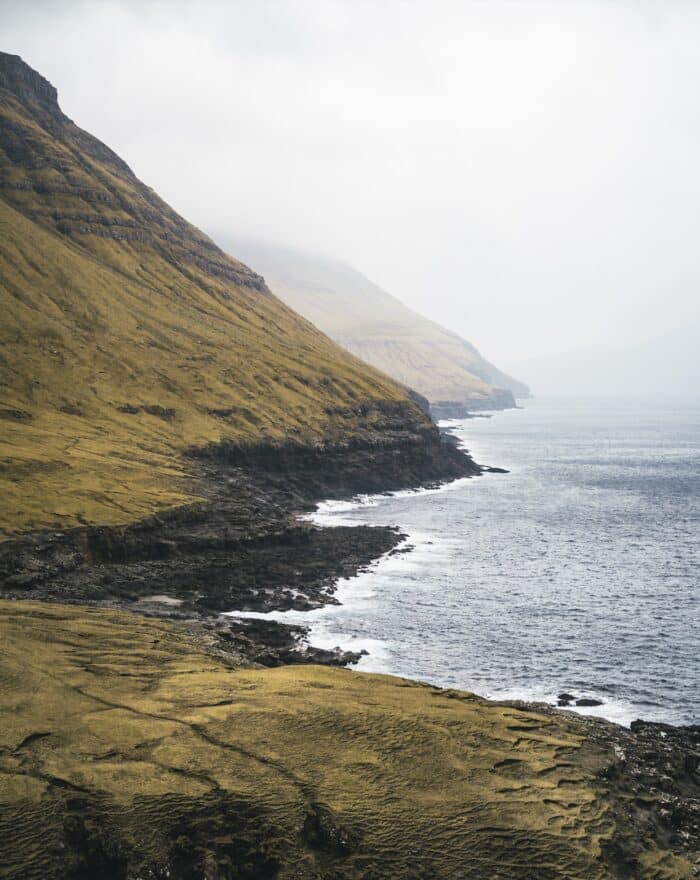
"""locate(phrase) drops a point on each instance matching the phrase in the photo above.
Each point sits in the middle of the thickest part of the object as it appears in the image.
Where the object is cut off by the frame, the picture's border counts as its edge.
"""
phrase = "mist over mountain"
(377, 327)
(540, 156)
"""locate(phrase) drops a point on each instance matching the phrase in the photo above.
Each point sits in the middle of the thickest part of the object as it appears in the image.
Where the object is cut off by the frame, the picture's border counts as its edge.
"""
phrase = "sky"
(523, 171)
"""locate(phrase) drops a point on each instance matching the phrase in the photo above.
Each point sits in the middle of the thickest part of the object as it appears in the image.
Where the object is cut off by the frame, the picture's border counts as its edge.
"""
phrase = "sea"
(576, 572)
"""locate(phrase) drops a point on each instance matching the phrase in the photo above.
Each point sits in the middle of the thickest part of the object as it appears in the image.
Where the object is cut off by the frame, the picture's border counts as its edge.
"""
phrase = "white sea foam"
(573, 573)
(619, 711)
(330, 513)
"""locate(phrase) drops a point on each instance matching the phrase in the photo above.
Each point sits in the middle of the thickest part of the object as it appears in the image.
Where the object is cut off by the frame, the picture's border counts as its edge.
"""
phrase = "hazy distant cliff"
(449, 371)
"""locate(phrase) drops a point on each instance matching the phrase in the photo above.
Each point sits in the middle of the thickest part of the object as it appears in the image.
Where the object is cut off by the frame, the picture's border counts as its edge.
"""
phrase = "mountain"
(449, 371)
(128, 337)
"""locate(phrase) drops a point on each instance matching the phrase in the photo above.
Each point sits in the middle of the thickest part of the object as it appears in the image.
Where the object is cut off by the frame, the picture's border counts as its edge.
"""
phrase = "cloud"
(525, 172)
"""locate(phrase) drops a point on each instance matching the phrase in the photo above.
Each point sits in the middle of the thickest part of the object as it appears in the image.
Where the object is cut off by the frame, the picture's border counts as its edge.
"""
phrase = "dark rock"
(16, 415)
(243, 548)
(162, 412)
(270, 643)
(323, 831)
(589, 701)
(651, 784)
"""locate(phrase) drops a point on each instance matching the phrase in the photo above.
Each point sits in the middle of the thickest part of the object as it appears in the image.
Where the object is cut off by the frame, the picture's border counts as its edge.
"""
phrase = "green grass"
(350, 775)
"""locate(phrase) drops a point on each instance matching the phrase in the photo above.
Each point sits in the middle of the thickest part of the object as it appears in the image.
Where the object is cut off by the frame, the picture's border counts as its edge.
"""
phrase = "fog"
(524, 172)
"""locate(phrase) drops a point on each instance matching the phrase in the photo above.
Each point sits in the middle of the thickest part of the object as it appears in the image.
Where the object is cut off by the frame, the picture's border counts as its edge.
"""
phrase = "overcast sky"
(525, 172)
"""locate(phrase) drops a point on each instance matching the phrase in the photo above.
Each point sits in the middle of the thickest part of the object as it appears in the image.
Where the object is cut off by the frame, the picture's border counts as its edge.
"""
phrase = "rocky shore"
(243, 548)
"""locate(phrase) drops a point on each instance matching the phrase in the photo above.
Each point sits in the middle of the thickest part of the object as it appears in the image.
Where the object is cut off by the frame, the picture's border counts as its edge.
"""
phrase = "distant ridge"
(449, 371)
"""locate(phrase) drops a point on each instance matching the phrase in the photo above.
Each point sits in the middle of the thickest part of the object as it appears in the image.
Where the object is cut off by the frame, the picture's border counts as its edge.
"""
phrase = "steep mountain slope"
(380, 329)
(128, 337)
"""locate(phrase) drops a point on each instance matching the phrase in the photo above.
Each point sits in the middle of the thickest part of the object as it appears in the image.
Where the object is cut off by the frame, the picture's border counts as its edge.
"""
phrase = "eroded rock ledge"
(244, 547)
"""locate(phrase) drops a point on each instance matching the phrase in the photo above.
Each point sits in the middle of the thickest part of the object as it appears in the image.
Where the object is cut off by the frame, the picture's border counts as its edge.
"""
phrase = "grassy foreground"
(129, 750)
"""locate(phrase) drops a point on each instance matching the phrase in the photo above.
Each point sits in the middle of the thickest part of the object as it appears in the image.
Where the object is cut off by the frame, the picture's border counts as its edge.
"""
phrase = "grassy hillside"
(379, 328)
(129, 751)
(128, 336)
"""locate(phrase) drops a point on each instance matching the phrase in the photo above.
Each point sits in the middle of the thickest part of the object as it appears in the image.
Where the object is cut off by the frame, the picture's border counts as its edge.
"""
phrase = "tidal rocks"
(565, 699)
(269, 643)
(244, 548)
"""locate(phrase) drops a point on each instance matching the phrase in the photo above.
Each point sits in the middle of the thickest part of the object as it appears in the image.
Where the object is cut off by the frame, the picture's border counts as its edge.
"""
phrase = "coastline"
(248, 546)
(357, 590)
(193, 675)
(392, 590)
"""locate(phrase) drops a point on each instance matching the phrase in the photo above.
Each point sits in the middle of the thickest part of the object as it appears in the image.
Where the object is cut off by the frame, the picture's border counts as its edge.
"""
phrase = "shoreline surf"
(354, 624)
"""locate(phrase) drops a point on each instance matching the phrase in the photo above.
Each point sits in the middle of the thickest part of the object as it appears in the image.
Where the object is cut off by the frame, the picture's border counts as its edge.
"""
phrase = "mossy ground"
(126, 735)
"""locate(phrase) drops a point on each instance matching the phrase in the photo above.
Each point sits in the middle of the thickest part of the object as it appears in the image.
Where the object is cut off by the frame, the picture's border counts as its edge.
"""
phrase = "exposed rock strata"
(119, 217)
(243, 548)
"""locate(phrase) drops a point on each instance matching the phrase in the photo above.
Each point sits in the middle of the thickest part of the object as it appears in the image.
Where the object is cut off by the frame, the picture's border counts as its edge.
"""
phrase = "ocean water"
(577, 571)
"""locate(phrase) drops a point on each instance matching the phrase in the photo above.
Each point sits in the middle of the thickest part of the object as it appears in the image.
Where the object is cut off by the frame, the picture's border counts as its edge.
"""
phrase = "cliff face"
(71, 183)
(449, 371)
(129, 337)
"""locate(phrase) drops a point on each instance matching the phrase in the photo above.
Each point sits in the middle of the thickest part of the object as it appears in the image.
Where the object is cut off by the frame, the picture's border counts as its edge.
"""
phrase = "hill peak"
(23, 81)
